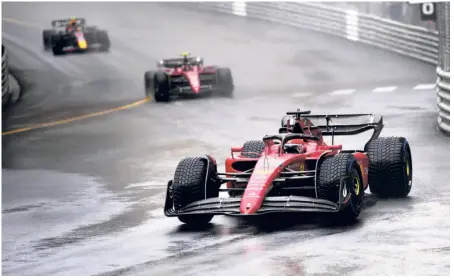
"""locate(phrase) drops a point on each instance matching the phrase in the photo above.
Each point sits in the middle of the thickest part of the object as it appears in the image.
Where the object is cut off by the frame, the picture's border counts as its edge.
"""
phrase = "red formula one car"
(187, 76)
(294, 171)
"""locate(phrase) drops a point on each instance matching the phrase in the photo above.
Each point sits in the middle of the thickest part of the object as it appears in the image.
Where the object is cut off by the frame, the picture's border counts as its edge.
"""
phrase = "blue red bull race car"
(72, 35)
(187, 76)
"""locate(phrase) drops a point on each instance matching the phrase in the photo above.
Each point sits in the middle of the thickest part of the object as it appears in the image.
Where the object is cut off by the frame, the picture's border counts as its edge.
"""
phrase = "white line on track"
(424, 87)
(301, 94)
(384, 89)
(343, 92)
(149, 185)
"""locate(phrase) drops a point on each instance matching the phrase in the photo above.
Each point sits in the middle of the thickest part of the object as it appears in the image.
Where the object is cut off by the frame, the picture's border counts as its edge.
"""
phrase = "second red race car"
(187, 76)
(294, 171)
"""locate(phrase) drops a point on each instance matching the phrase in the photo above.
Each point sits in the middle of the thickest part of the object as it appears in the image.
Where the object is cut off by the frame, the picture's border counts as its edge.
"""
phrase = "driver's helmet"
(185, 56)
(72, 23)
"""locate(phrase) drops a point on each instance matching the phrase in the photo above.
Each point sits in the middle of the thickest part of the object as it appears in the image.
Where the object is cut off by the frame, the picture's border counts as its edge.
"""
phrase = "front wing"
(187, 90)
(275, 204)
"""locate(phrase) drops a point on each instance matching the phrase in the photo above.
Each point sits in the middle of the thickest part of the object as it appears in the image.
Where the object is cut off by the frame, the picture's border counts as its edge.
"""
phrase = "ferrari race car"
(72, 35)
(187, 76)
(294, 171)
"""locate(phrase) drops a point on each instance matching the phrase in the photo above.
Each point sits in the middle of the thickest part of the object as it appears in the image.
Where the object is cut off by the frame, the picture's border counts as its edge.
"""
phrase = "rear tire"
(390, 167)
(334, 171)
(194, 180)
(225, 81)
(104, 39)
(253, 149)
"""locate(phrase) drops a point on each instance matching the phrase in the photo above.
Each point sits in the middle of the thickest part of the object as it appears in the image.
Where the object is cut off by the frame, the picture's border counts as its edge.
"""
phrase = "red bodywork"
(273, 161)
(192, 73)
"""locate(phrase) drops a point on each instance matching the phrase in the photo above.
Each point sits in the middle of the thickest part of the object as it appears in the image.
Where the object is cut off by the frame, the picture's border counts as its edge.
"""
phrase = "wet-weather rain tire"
(225, 81)
(253, 149)
(334, 171)
(192, 183)
(390, 167)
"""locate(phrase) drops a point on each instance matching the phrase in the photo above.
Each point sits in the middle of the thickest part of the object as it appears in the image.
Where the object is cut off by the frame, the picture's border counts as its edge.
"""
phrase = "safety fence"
(430, 45)
(443, 69)
(5, 75)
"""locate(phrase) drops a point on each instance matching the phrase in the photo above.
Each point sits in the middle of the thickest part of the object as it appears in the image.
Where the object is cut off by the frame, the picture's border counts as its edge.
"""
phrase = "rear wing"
(343, 124)
(178, 62)
(61, 23)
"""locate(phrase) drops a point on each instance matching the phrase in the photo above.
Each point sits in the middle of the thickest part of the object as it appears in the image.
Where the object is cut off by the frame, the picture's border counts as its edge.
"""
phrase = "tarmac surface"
(85, 196)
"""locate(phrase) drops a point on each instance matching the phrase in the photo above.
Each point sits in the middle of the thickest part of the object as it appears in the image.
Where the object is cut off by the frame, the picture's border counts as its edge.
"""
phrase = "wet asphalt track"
(86, 197)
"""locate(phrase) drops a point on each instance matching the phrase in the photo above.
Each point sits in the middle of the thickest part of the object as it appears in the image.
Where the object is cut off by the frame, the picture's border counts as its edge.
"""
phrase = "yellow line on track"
(19, 22)
(82, 117)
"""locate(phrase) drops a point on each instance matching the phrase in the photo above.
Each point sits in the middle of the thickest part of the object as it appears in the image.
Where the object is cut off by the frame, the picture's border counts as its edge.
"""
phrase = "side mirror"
(288, 119)
(160, 63)
(199, 61)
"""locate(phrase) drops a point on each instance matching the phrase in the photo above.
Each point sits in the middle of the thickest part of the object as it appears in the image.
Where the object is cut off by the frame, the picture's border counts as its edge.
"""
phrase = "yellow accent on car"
(302, 167)
(82, 44)
(357, 186)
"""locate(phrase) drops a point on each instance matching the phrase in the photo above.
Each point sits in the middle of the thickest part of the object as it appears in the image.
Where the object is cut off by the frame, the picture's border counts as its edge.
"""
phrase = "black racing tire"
(341, 170)
(253, 149)
(161, 87)
(195, 179)
(390, 167)
(47, 39)
(57, 45)
(225, 81)
(149, 83)
(104, 40)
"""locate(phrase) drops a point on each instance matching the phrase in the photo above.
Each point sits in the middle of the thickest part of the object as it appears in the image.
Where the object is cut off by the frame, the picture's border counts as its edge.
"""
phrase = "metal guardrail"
(424, 44)
(5, 75)
(443, 99)
(409, 40)
(443, 69)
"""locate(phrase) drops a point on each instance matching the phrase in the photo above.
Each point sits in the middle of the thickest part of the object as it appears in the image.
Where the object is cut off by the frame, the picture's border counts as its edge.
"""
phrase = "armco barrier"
(413, 41)
(443, 69)
(431, 46)
(443, 100)
(5, 75)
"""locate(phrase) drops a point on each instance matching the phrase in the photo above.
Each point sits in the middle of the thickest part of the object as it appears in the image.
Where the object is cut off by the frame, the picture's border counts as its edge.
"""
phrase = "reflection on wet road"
(85, 198)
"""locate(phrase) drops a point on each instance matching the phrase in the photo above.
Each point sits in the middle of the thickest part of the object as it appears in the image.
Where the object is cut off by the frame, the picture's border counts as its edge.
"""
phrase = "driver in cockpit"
(72, 25)
(186, 64)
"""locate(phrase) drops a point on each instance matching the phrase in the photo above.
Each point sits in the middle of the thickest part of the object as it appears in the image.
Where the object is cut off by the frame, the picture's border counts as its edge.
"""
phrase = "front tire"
(194, 180)
(47, 39)
(149, 83)
(161, 87)
(390, 167)
(57, 45)
(339, 176)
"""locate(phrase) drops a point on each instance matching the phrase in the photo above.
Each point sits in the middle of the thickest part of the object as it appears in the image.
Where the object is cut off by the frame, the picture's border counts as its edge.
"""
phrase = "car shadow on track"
(195, 98)
(296, 221)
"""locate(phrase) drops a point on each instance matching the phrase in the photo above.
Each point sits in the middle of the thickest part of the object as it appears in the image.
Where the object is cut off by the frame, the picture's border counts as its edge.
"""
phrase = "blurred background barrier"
(413, 29)
(5, 77)
(443, 69)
